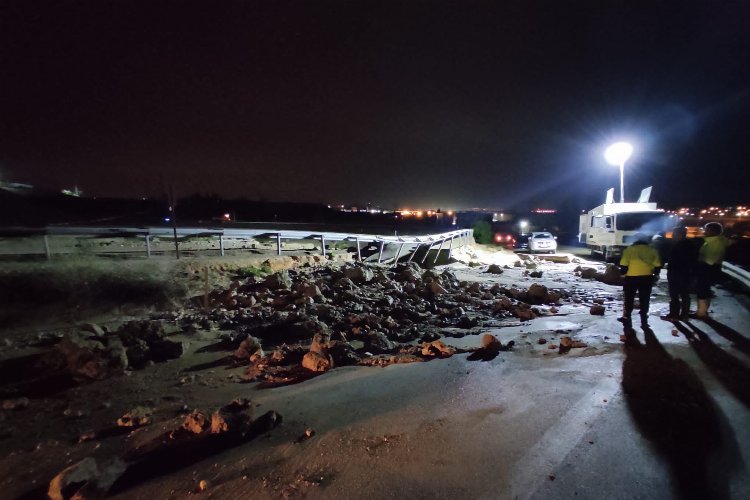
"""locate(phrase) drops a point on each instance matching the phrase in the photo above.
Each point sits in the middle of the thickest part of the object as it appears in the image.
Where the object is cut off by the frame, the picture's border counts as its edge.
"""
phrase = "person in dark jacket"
(681, 262)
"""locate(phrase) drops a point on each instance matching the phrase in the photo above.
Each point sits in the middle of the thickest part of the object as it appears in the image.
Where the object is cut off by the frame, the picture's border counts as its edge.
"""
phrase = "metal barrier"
(737, 273)
(454, 239)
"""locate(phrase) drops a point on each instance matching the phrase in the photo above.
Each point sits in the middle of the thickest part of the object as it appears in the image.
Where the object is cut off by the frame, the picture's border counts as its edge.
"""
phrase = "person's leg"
(628, 291)
(683, 291)
(644, 297)
(703, 289)
(674, 297)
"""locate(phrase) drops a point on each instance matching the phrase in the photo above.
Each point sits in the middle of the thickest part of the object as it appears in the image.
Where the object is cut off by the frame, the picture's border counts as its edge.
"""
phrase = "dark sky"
(436, 103)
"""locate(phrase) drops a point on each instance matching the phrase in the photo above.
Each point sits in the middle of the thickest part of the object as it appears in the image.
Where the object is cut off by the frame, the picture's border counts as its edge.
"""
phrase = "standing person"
(710, 257)
(681, 262)
(641, 265)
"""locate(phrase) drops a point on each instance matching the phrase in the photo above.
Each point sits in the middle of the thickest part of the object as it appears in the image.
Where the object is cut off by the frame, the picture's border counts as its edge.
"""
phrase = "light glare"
(618, 153)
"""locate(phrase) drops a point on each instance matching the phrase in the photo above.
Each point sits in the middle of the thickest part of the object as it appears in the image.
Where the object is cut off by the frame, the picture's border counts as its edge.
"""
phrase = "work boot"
(702, 312)
(644, 322)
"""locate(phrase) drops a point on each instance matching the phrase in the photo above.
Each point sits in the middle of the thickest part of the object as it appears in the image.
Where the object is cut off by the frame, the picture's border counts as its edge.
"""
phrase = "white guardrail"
(453, 239)
(737, 273)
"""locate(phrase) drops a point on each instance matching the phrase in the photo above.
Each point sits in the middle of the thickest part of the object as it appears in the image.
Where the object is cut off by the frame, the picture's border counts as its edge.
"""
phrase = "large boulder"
(359, 274)
(537, 294)
(377, 343)
(317, 361)
(87, 359)
(250, 346)
(148, 331)
(86, 479)
(278, 281)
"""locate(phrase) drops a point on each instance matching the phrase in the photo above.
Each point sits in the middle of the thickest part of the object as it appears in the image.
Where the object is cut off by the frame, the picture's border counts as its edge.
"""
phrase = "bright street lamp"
(617, 154)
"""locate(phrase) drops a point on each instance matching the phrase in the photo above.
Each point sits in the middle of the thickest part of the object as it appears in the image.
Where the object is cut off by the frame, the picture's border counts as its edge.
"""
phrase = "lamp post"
(617, 154)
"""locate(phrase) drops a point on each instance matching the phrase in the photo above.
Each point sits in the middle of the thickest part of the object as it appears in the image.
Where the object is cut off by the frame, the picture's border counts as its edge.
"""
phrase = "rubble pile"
(154, 449)
(314, 319)
(92, 353)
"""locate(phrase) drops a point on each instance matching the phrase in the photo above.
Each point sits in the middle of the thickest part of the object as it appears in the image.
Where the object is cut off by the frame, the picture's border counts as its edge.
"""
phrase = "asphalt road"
(664, 414)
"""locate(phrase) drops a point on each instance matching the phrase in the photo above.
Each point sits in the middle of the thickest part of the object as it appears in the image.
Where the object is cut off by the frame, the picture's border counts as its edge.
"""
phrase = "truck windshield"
(640, 221)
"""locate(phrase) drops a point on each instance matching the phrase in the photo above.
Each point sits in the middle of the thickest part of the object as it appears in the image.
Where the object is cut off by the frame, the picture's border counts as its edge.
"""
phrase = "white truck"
(607, 229)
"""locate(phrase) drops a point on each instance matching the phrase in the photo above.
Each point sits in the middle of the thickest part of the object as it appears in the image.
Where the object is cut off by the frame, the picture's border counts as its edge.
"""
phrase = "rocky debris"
(317, 361)
(92, 353)
(84, 358)
(437, 348)
(354, 311)
(165, 447)
(309, 433)
(378, 343)
(491, 347)
(597, 310)
(359, 274)
(137, 417)
(250, 347)
(495, 269)
(86, 479)
(567, 343)
(610, 276)
(278, 281)
(537, 294)
(15, 404)
(587, 273)
(535, 274)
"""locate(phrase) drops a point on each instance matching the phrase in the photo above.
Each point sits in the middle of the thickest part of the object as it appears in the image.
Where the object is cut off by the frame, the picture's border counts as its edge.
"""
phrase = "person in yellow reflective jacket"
(641, 266)
(710, 257)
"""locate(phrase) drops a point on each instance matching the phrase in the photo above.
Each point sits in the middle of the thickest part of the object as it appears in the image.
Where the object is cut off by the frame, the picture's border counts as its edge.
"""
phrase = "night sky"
(403, 103)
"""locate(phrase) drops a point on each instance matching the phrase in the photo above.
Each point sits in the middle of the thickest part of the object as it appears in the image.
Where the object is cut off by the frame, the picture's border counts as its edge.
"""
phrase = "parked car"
(542, 242)
(506, 240)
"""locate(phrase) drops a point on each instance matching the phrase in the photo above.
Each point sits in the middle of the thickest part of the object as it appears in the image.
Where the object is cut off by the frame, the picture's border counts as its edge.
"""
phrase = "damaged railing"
(736, 273)
(405, 244)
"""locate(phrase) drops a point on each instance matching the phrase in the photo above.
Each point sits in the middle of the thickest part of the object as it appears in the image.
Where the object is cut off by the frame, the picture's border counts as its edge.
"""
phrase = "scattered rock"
(537, 294)
(437, 348)
(317, 362)
(597, 310)
(495, 269)
(15, 404)
(137, 417)
(86, 479)
(377, 342)
(278, 281)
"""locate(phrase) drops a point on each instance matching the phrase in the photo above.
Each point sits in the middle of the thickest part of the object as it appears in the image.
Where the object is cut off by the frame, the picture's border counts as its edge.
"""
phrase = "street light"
(617, 154)
(523, 225)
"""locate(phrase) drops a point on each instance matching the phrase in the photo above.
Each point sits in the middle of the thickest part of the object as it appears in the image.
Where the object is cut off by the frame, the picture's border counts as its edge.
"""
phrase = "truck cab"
(607, 229)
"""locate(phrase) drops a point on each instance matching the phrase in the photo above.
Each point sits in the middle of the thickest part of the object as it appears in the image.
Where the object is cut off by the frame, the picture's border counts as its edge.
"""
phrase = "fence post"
(278, 243)
(359, 253)
(427, 252)
(380, 255)
(323, 245)
(450, 248)
(221, 244)
(47, 252)
(398, 254)
(438, 252)
(414, 252)
(148, 245)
